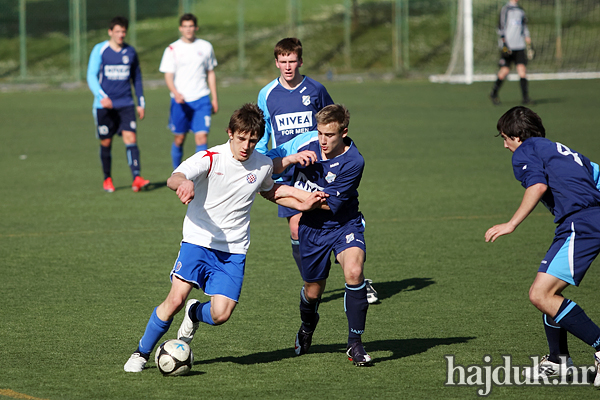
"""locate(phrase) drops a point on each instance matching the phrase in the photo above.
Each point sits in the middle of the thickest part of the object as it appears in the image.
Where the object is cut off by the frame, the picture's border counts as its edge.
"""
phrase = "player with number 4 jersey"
(567, 183)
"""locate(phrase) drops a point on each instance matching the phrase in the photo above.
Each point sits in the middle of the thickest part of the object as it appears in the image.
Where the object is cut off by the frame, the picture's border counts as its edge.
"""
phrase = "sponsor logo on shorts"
(178, 266)
(306, 100)
(103, 130)
(251, 178)
(132, 124)
(350, 238)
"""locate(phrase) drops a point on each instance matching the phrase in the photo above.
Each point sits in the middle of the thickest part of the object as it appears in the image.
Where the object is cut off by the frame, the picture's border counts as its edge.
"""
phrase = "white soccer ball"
(174, 357)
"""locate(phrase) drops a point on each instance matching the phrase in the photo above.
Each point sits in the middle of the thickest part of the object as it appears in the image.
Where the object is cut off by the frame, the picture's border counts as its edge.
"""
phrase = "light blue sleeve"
(262, 145)
(290, 147)
(93, 72)
(596, 174)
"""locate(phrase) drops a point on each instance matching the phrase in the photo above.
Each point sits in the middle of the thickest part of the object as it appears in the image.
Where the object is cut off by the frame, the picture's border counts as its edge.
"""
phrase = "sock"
(133, 159)
(296, 254)
(497, 86)
(176, 155)
(356, 305)
(106, 160)
(524, 88)
(202, 313)
(308, 312)
(201, 147)
(557, 339)
(571, 317)
(155, 329)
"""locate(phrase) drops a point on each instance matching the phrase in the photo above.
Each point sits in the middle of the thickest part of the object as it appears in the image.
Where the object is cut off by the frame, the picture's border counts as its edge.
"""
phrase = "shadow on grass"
(385, 290)
(399, 348)
(151, 186)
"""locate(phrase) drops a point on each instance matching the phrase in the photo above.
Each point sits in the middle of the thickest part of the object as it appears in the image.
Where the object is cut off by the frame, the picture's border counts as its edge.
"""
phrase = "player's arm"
(182, 186)
(263, 144)
(304, 158)
(136, 78)
(297, 199)
(93, 72)
(531, 198)
(211, 79)
(170, 81)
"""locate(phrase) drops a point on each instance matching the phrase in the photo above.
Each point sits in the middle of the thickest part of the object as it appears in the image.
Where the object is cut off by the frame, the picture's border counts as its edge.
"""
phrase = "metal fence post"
(23, 38)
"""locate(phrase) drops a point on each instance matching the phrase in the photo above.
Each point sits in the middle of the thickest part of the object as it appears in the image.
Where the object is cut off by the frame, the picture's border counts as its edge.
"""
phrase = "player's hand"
(106, 102)
(303, 158)
(178, 98)
(215, 106)
(313, 201)
(498, 230)
(505, 50)
(530, 51)
(141, 112)
(185, 191)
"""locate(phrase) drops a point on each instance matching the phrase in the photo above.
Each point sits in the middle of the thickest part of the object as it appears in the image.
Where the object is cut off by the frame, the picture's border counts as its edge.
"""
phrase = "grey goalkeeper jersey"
(512, 27)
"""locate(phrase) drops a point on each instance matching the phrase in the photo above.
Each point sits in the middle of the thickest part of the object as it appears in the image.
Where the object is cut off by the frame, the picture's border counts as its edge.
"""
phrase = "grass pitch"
(82, 269)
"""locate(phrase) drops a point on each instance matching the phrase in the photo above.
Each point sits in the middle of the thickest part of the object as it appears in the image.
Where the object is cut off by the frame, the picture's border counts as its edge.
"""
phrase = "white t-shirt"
(219, 215)
(190, 63)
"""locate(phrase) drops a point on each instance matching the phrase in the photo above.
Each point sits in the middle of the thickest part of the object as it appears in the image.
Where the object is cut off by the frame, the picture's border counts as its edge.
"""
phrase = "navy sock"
(524, 88)
(308, 312)
(201, 313)
(176, 155)
(133, 158)
(571, 317)
(106, 160)
(497, 86)
(557, 339)
(155, 329)
(296, 254)
(356, 305)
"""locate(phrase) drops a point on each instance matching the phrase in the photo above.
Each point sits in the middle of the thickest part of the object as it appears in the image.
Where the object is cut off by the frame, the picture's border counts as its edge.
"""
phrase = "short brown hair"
(121, 21)
(188, 17)
(334, 113)
(249, 118)
(521, 122)
(288, 46)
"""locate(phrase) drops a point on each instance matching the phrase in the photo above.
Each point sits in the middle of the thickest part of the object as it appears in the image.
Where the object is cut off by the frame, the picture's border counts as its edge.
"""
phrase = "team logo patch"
(103, 130)
(132, 125)
(178, 266)
(125, 60)
(350, 238)
(251, 178)
(306, 100)
(330, 177)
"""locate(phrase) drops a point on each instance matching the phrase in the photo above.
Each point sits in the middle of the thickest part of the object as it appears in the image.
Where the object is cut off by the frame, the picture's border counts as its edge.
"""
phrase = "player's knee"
(220, 317)
(354, 274)
(537, 297)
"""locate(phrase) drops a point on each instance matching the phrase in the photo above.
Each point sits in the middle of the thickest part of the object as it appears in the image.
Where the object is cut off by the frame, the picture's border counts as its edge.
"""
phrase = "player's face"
(289, 66)
(117, 34)
(331, 139)
(242, 144)
(188, 31)
(511, 143)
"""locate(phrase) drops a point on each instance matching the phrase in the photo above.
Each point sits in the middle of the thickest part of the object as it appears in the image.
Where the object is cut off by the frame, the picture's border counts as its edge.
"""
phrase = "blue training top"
(338, 177)
(572, 179)
(111, 73)
(289, 113)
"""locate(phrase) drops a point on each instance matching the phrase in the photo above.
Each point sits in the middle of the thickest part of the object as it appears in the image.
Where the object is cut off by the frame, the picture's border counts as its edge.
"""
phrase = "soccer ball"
(174, 357)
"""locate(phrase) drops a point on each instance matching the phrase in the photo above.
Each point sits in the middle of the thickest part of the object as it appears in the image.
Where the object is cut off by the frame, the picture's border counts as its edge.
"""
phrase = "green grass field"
(82, 269)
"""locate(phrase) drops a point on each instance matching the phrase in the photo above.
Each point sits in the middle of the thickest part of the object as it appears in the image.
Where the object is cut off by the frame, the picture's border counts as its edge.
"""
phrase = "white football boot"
(548, 369)
(188, 328)
(136, 363)
(597, 362)
(371, 293)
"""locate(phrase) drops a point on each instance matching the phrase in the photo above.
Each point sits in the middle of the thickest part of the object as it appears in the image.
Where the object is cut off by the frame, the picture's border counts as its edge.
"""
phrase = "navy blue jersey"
(110, 74)
(570, 176)
(338, 177)
(289, 113)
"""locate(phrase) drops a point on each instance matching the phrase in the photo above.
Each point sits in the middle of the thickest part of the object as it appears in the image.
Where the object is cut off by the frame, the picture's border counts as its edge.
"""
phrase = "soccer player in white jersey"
(290, 103)
(188, 65)
(219, 186)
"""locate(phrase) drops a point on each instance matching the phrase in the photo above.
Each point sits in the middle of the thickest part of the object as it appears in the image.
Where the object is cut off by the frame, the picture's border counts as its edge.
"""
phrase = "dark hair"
(121, 21)
(188, 17)
(334, 113)
(249, 118)
(288, 46)
(520, 122)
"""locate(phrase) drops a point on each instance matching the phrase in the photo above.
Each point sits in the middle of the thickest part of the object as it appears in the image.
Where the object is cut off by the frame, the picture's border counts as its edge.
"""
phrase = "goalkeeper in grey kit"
(515, 44)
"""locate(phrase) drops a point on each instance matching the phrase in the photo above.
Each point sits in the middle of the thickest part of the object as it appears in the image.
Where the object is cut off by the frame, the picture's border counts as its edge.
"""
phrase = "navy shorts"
(213, 271)
(576, 244)
(112, 121)
(516, 56)
(316, 245)
(194, 116)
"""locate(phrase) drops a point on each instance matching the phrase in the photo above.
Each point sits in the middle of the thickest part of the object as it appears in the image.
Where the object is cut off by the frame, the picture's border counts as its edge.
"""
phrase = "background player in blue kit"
(112, 68)
(328, 161)
(188, 65)
(566, 182)
(290, 103)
